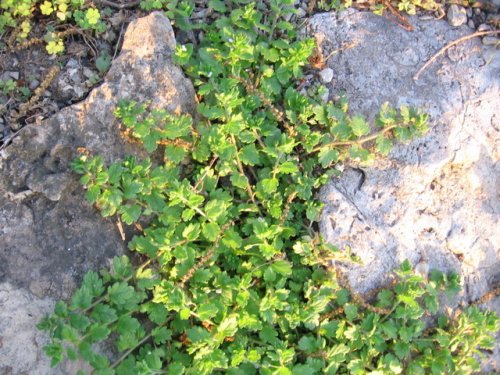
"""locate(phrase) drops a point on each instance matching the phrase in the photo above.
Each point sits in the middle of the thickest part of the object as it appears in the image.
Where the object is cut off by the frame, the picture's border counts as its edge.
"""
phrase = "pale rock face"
(434, 201)
(49, 235)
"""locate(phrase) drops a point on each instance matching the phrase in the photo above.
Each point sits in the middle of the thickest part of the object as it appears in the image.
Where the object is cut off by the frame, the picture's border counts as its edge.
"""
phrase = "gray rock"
(22, 350)
(34, 84)
(9, 75)
(326, 75)
(456, 15)
(483, 27)
(434, 200)
(490, 40)
(49, 235)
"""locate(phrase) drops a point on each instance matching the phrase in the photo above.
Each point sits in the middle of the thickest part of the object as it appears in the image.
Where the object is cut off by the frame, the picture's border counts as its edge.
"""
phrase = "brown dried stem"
(449, 45)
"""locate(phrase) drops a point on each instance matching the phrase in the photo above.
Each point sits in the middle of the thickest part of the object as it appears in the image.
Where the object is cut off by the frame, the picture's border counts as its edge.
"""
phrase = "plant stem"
(240, 168)
(358, 141)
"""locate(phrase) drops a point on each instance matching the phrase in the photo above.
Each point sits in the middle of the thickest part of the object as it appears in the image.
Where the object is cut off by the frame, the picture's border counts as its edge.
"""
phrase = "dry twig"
(448, 46)
(404, 22)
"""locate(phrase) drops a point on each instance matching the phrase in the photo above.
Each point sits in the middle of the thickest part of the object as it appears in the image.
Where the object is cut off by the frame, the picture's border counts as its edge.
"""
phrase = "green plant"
(235, 279)
(17, 14)
(7, 86)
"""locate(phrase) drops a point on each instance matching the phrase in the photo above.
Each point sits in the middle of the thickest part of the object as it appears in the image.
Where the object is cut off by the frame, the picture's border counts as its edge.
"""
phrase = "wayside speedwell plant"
(234, 277)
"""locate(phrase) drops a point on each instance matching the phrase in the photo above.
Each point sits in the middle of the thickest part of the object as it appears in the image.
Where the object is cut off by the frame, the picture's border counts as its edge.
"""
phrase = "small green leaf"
(207, 311)
(288, 167)
(283, 267)
(359, 126)
(103, 62)
(217, 5)
(215, 209)
(308, 344)
(250, 155)
(210, 231)
(192, 232)
(130, 213)
(270, 185)
(239, 180)
(175, 154)
(351, 311)
(383, 145)
(327, 156)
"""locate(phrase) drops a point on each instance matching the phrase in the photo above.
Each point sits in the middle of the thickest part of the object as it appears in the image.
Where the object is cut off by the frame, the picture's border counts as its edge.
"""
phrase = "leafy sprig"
(237, 280)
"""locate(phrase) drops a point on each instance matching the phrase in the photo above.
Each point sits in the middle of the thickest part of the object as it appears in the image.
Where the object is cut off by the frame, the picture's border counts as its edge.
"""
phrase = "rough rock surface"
(49, 236)
(434, 201)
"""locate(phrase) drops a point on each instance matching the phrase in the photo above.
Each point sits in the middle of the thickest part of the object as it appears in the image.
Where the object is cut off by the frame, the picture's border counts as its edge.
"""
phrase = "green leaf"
(215, 209)
(227, 328)
(249, 155)
(92, 15)
(130, 213)
(122, 295)
(351, 311)
(161, 335)
(402, 350)
(304, 370)
(207, 311)
(98, 333)
(197, 334)
(359, 126)
(288, 167)
(79, 321)
(103, 314)
(103, 62)
(217, 5)
(383, 145)
(308, 344)
(93, 193)
(175, 154)
(191, 232)
(270, 185)
(55, 352)
(239, 180)
(46, 8)
(327, 156)
(283, 267)
(82, 298)
(210, 231)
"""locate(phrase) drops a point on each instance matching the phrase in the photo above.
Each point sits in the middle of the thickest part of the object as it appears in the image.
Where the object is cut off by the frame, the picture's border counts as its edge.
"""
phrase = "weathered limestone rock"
(434, 201)
(49, 236)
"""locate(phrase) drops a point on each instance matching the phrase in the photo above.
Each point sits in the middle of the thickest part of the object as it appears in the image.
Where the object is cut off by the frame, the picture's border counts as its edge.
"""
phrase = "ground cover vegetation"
(231, 274)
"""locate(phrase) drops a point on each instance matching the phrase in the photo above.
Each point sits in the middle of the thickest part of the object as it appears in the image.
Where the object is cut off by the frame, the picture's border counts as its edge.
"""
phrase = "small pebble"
(490, 40)
(456, 15)
(471, 24)
(477, 11)
(483, 27)
(10, 75)
(47, 94)
(14, 75)
(326, 75)
(469, 12)
(34, 84)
